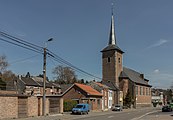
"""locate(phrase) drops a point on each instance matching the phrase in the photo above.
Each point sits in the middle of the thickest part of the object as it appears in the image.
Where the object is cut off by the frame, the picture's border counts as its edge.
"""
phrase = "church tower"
(112, 57)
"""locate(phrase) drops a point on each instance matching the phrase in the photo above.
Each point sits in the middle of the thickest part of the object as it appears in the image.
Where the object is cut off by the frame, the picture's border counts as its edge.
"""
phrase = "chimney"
(142, 76)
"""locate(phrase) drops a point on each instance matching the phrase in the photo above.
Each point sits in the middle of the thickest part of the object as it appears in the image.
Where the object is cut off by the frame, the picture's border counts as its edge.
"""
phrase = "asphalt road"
(158, 116)
(125, 115)
(128, 114)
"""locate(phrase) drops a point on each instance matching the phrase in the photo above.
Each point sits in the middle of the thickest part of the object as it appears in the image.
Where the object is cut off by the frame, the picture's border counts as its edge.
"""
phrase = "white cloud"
(158, 43)
(161, 80)
(156, 71)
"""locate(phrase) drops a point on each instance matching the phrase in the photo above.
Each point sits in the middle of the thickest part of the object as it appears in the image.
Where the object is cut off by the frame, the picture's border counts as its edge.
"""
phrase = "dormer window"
(108, 59)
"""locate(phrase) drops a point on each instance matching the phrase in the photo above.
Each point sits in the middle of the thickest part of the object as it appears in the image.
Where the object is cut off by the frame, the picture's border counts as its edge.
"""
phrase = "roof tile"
(88, 89)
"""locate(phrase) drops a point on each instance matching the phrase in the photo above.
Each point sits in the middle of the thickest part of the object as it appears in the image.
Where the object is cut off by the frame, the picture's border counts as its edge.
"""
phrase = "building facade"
(132, 85)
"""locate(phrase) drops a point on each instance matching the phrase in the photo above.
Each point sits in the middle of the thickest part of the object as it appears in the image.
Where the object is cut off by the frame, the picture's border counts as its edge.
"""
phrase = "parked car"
(166, 108)
(171, 105)
(81, 109)
(117, 108)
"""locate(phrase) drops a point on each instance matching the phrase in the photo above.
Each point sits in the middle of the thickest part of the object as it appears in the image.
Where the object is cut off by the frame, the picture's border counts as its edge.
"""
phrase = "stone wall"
(32, 106)
(8, 107)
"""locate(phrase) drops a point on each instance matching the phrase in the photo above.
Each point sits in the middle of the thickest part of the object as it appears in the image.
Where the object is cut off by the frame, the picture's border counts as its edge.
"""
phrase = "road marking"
(110, 116)
(143, 115)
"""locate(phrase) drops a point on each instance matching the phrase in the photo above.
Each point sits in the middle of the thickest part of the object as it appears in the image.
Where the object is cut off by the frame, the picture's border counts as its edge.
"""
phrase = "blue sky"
(80, 29)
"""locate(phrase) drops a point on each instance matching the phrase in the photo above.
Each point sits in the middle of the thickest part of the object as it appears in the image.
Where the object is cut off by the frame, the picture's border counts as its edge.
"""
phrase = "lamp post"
(44, 76)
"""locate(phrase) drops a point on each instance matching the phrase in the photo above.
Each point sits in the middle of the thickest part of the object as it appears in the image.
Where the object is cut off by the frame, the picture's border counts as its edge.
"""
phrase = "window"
(136, 90)
(146, 91)
(143, 90)
(109, 59)
(110, 94)
(98, 101)
(140, 90)
(119, 60)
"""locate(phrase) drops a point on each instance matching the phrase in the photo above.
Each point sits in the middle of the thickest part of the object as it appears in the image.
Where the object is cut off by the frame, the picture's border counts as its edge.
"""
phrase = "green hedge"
(69, 104)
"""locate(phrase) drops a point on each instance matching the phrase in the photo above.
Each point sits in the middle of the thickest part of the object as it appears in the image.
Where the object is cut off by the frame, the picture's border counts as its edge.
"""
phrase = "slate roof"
(29, 81)
(35, 82)
(88, 89)
(133, 76)
(65, 87)
(112, 47)
(110, 85)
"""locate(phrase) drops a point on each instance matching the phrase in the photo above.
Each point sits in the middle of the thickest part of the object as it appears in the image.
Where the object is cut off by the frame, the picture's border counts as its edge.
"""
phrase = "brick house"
(128, 81)
(108, 91)
(84, 94)
(32, 86)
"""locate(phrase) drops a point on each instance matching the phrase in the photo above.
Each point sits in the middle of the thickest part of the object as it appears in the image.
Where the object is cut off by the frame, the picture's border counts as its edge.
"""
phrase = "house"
(83, 94)
(32, 86)
(132, 85)
(109, 93)
(113, 93)
(104, 90)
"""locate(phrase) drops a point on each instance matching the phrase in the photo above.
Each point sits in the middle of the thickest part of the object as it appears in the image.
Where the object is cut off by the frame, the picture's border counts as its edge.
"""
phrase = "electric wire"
(33, 47)
(20, 45)
(61, 60)
(22, 60)
(3, 33)
(19, 41)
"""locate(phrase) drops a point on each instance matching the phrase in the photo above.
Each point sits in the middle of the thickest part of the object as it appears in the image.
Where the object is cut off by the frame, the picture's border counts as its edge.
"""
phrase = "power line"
(20, 45)
(38, 49)
(24, 59)
(61, 60)
(20, 42)
(5, 34)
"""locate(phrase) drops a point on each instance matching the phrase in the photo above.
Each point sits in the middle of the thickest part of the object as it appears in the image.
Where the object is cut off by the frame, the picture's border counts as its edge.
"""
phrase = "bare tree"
(64, 75)
(3, 63)
(8, 75)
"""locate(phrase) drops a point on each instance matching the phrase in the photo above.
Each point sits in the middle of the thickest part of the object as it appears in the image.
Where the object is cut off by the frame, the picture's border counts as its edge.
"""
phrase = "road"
(127, 114)
(158, 116)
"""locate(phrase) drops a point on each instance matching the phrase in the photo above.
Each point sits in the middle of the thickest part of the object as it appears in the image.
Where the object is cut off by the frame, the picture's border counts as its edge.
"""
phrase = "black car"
(166, 108)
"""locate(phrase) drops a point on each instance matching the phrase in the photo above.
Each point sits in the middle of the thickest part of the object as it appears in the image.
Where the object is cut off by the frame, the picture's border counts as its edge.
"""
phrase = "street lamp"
(44, 76)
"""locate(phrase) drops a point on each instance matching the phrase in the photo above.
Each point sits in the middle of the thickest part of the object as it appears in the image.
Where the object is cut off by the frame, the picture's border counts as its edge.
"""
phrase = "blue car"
(81, 109)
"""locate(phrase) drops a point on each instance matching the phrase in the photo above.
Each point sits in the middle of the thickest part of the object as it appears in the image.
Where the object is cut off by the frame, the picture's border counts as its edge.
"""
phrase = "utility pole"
(44, 81)
(44, 77)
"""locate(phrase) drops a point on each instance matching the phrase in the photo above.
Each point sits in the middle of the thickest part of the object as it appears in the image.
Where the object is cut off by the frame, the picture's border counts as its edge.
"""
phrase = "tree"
(8, 75)
(28, 75)
(3, 63)
(64, 75)
(42, 76)
(128, 99)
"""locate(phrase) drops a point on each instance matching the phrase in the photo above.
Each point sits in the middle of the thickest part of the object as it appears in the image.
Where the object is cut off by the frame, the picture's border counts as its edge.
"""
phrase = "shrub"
(69, 104)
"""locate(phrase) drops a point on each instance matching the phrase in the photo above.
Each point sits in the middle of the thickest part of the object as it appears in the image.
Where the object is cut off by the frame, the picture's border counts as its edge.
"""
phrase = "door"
(54, 105)
(22, 107)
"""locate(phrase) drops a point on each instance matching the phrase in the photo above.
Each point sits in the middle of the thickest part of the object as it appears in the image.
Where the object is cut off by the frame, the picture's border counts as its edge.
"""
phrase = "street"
(127, 114)
(158, 116)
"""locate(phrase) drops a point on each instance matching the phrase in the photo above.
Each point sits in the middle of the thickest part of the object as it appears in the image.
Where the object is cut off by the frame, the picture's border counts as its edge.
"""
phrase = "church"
(133, 88)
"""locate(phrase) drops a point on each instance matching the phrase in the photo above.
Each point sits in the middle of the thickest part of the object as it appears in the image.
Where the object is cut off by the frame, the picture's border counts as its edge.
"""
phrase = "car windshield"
(79, 106)
(117, 105)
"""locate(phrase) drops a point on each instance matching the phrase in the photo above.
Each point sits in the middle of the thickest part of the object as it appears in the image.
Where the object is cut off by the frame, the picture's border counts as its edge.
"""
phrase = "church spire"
(112, 36)
(112, 45)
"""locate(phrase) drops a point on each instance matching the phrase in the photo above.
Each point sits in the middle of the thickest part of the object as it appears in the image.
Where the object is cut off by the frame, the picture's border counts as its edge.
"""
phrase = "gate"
(54, 105)
(22, 107)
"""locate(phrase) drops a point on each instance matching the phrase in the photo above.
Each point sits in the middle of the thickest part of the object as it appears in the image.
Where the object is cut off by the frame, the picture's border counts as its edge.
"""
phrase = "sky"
(80, 30)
